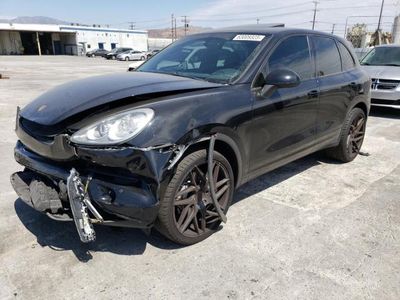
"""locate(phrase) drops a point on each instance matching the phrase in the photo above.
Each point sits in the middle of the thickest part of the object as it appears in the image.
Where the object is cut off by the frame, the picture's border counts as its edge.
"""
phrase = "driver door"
(284, 122)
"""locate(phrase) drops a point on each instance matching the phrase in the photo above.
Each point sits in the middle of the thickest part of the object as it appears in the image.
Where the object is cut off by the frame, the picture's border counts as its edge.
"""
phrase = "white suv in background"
(383, 65)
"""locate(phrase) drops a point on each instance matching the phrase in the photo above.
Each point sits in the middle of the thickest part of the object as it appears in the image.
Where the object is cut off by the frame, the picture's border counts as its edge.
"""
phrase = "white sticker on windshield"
(249, 37)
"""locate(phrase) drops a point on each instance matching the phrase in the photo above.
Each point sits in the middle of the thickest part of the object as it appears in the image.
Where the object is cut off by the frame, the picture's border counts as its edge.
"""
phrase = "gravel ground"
(313, 229)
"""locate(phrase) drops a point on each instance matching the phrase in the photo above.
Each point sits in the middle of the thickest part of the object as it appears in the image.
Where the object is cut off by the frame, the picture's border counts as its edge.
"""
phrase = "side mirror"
(282, 78)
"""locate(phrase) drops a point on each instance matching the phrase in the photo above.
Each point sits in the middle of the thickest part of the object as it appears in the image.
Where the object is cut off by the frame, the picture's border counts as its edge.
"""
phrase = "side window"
(327, 55)
(347, 59)
(294, 54)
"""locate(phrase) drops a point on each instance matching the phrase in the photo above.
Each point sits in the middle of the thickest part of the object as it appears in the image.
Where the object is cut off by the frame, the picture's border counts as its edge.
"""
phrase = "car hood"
(383, 72)
(78, 96)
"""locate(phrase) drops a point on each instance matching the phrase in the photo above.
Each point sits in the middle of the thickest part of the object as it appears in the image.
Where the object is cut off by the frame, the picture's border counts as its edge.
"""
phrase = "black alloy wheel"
(187, 213)
(352, 137)
(355, 136)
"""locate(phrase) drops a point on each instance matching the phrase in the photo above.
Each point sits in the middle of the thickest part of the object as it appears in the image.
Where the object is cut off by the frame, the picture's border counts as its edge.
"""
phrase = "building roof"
(61, 28)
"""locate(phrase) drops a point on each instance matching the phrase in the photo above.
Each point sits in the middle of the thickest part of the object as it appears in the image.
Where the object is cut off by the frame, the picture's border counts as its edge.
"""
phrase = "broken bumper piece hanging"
(91, 196)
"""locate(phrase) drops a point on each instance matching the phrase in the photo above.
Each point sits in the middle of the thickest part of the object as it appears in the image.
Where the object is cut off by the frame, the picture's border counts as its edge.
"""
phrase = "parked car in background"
(132, 55)
(113, 53)
(360, 52)
(151, 53)
(382, 63)
(97, 52)
(168, 144)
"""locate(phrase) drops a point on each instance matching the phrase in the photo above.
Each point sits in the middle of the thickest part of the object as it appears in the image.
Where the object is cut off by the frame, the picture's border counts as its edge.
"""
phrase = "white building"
(396, 30)
(158, 43)
(66, 39)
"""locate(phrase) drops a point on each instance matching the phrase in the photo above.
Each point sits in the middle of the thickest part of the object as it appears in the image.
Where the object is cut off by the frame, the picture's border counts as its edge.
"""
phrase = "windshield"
(219, 57)
(382, 56)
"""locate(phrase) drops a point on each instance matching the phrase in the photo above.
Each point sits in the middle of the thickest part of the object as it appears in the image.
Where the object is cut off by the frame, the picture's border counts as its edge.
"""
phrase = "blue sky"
(212, 13)
(101, 11)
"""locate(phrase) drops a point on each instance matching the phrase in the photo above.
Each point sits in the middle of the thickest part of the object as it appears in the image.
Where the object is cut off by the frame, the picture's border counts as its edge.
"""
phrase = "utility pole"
(333, 28)
(172, 28)
(315, 13)
(185, 21)
(380, 16)
(176, 34)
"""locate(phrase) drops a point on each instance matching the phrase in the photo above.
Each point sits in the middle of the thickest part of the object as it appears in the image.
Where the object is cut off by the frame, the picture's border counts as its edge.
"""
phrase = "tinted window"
(347, 58)
(327, 55)
(293, 53)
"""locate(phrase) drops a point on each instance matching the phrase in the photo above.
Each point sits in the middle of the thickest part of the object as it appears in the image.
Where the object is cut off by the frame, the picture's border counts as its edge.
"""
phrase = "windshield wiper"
(393, 65)
(183, 74)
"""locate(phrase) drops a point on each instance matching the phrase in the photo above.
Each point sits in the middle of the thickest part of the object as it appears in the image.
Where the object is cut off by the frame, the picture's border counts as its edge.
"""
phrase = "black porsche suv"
(167, 145)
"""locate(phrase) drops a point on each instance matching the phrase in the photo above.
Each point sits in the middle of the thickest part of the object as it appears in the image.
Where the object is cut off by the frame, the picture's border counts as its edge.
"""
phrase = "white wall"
(92, 37)
(396, 30)
(158, 43)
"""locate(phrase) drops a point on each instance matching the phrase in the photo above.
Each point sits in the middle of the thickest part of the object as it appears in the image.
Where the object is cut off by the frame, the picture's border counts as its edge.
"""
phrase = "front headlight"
(115, 129)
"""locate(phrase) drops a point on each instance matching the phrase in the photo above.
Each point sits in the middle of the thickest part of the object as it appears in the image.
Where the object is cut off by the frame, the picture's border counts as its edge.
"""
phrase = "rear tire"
(190, 184)
(351, 138)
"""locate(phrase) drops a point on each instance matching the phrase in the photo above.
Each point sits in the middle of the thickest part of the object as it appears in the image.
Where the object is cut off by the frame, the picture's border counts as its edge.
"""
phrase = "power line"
(347, 7)
(249, 18)
(257, 11)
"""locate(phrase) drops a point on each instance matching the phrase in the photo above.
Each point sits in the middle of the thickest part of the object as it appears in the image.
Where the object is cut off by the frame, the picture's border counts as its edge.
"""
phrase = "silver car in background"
(132, 55)
(383, 65)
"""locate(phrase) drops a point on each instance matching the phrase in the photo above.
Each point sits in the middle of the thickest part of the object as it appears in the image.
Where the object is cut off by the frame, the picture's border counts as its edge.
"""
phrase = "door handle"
(313, 94)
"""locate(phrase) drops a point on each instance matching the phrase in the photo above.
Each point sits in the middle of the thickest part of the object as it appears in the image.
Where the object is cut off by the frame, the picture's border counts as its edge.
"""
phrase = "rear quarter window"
(348, 62)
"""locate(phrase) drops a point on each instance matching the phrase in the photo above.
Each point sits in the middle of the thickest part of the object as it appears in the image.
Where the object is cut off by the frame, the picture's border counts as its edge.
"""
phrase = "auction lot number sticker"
(249, 37)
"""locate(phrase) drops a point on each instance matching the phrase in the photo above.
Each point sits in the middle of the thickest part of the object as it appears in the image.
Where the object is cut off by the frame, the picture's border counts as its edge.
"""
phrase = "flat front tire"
(187, 214)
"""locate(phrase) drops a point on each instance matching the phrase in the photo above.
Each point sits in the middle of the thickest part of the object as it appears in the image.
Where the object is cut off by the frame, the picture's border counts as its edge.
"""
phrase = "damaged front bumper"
(124, 188)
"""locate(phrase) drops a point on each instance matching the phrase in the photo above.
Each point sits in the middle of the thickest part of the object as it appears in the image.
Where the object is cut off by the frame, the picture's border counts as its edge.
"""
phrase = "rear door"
(284, 122)
(337, 85)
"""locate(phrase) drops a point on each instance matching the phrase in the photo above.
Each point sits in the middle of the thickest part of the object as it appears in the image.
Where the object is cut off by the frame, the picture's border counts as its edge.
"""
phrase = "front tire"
(351, 138)
(127, 58)
(187, 214)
